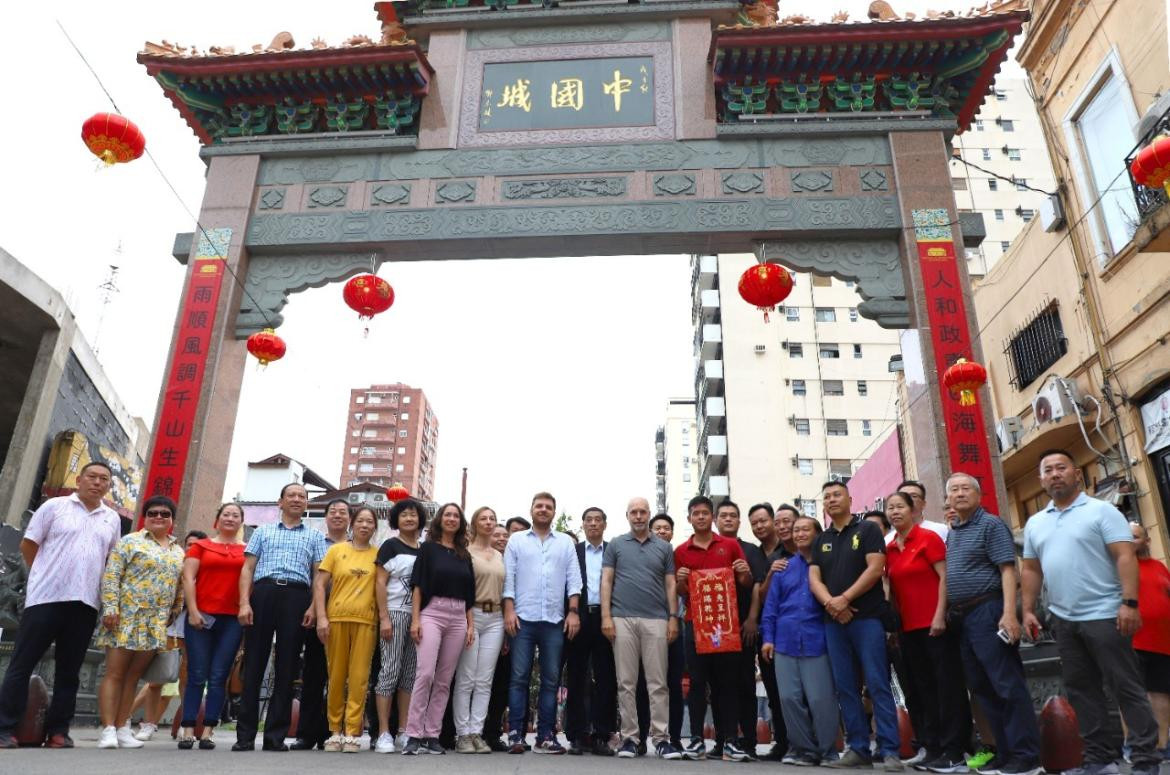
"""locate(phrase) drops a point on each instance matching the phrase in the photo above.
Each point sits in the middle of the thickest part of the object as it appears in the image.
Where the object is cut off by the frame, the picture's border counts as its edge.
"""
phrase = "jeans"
(473, 676)
(995, 675)
(69, 625)
(549, 639)
(210, 653)
(863, 641)
(1095, 658)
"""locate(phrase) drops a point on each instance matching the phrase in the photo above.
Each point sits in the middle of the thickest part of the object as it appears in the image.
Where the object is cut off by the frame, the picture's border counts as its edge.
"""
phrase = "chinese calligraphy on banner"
(947, 311)
(172, 432)
(713, 611)
(567, 94)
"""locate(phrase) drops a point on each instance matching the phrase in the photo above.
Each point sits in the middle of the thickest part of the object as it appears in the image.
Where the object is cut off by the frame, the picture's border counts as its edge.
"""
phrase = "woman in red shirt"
(1152, 641)
(917, 570)
(211, 585)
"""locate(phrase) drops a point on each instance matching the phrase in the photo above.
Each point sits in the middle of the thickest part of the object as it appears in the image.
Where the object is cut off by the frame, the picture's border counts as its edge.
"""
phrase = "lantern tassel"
(766, 316)
(966, 398)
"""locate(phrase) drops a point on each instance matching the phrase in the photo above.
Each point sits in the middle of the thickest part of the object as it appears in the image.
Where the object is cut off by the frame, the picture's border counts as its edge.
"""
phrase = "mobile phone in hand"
(1004, 635)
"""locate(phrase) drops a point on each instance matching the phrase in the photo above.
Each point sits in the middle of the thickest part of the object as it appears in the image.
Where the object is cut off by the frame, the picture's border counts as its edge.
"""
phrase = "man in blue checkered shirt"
(276, 601)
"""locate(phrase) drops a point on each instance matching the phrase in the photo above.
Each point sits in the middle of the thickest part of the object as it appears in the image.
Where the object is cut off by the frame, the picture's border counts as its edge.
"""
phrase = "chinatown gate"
(505, 128)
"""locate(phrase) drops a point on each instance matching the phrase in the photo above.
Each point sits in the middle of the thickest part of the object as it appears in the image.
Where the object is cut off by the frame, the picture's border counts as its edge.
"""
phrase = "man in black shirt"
(748, 601)
(845, 576)
(763, 522)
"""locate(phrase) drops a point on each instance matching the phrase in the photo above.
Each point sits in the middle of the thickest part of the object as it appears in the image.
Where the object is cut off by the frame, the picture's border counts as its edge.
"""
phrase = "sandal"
(186, 743)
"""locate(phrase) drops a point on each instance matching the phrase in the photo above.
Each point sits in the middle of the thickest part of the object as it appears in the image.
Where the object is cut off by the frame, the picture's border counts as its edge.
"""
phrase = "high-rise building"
(391, 436)
(786, 405)
(1007, 140)
(678, 459)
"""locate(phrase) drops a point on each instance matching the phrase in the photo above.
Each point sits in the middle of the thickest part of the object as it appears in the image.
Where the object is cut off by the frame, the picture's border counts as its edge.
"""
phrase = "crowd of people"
(432, 636)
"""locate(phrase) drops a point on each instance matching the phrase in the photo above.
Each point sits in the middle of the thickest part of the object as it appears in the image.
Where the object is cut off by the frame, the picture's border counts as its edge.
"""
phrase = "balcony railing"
(1149, 200)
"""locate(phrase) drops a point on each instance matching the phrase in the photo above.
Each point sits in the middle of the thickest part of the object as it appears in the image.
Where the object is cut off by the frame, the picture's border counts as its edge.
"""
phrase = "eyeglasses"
(163, 513)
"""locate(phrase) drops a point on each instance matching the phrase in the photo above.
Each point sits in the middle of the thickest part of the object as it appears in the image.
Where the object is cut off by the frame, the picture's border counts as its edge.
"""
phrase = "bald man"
(638, 607)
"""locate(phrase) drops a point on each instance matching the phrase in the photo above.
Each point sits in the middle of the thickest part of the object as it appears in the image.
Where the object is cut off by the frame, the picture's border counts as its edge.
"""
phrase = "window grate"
(1035, 346)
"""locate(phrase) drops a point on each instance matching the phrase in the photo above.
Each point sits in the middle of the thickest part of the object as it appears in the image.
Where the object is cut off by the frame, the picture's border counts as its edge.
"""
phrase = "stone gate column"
(942, 321)
(200, 395)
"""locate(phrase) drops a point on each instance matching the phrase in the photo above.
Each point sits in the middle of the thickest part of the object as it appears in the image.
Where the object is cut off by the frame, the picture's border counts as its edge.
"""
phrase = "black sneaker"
(550, 746)
(629, 749)
(665, 750)
(695, 750)
(749, 750)
(412, 747)
(733, 753)
(577, 747)
(516, 744)
(601, 748)
(434, 746)
(497, 745)
(991, 767)
(807, 760)
(1021, 768)
(243, 746)
(641, 747)
(945, 764)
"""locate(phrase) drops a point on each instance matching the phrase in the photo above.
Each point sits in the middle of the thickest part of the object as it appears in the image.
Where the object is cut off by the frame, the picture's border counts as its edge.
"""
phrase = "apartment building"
(391, 437)
(675, 444)
(783, 406)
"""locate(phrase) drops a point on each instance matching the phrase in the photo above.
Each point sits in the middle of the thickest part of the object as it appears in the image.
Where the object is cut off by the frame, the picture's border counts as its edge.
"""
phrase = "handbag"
(164, 668)
(236, 676)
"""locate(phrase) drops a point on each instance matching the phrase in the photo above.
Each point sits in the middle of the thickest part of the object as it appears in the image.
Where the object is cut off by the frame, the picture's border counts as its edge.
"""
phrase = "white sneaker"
(145, 731)
(109, 738)
(401, 741)
(385, 743)
(363, 741)
(126, 739)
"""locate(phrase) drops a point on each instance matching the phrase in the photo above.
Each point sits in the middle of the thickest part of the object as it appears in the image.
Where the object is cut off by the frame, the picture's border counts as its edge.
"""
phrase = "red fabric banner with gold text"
(947, 310)
(713, 611)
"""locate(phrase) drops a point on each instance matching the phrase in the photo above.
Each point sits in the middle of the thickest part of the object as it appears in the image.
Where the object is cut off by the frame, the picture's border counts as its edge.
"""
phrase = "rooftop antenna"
(108, 288)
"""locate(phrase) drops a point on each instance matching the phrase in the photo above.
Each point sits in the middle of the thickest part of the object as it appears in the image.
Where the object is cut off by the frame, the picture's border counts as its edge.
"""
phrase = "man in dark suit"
(591, 705)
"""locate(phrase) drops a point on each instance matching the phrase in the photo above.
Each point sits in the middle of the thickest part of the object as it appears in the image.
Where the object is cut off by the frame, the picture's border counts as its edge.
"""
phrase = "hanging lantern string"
(158, 168)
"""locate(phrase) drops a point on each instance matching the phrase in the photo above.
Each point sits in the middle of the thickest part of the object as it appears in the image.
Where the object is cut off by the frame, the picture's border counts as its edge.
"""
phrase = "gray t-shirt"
(639, 576)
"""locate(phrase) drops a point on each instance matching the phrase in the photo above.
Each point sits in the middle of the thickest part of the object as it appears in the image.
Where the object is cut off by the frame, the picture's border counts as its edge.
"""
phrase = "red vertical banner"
(184, 383)
(951, 338)
(713, 611)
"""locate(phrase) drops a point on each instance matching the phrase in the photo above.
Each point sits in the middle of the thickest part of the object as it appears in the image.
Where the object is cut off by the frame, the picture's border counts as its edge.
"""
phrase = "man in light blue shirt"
(1082, 549)
(541, 570)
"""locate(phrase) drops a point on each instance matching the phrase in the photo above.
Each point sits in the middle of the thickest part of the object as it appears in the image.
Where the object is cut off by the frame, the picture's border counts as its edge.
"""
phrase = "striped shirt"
(287, 553)
(975, 550)
(72, 545)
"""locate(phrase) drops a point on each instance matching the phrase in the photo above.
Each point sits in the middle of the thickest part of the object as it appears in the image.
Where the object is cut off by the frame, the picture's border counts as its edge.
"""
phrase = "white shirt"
(73, 543)
(540, 573)
(593, 557)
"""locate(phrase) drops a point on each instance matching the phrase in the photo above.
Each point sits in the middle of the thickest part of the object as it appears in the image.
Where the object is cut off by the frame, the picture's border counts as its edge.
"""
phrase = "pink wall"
(879, 476)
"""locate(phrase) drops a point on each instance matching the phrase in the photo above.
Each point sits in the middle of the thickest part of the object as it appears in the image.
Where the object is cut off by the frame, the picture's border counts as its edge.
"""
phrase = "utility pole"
(463, 492)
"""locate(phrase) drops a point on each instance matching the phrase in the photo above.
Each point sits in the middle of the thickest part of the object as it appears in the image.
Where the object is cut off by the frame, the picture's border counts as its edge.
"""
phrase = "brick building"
(391, 436)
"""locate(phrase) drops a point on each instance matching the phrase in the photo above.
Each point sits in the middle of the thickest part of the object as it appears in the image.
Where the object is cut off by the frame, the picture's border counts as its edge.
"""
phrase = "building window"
(986, 154)
(399, 468)
(687, 476)
(792, 314)
(1027, 215)
(1007, 125)
(402, 450)
(862, 387)
(402, 434)
(1005, 245)
(840, 469)
(853, 314)
(686, 442)
(371, 416)
(352, 466)
(406, 399)
(374, 399)
(795, 350)
(866, 428)
(978, 125)
(856, 351)
(833, 387)
(999, 215)
(353, 450)
(1000, 96)
(1036, 346)
(828, 350)
(992, 184)
(1021, 184)
(360, 400)
(356, 433)
(366, 468)
(836, 427)
(371, 434)
(404, 416)
(1013, 154)
(825, 315)
(805, 465)
(822, 281)
(798, 387)
(807, 506)
(849, 283)
(369, 451)
(801, 425)
(959, 184)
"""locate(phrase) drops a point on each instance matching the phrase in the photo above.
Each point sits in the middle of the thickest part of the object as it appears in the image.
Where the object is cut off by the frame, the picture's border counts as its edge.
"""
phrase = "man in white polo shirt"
(1082, 549)
(65, 548)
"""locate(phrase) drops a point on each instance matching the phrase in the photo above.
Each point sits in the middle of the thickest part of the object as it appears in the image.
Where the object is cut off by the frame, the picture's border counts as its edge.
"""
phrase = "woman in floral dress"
(140, 597)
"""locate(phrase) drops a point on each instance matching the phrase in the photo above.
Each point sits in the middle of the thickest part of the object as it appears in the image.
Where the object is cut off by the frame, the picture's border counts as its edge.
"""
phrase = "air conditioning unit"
(760, 348)
(1051, 213)
(1053, 401)
(792, 420)
(795, 460)
(842, 478)
(787, 382)
(784, 345)
(1008, 431)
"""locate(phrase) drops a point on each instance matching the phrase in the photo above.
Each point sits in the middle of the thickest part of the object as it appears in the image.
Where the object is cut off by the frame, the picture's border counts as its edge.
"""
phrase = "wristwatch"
(1130, 602)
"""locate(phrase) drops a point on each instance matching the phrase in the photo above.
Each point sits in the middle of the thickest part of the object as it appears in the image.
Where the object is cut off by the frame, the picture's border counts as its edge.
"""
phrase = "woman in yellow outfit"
(347, 625)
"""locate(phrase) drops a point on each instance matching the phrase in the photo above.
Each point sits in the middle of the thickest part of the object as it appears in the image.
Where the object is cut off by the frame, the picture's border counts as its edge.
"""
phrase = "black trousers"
(277, 612)
(718, 673)
(313, 727)
(779, 730)
(590, 682)
(675, 662)
(938, 699)
(68, 626)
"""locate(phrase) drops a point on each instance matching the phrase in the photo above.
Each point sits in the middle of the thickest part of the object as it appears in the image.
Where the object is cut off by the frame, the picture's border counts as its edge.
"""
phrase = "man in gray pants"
(1082, 548)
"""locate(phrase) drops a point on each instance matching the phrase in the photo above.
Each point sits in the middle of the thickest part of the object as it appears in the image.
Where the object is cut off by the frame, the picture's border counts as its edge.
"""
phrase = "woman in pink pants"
(440, 624)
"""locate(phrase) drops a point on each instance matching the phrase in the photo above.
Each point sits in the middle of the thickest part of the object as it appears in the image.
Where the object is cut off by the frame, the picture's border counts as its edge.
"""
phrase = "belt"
(271, 581)
(488, 607)
(593, 609)
(963, 607)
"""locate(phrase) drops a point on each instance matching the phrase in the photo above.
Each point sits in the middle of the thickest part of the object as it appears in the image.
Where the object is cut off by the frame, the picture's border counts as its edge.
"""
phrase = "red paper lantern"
(113, 138)
(963, 379)
(1151, 166)
(266, 346)
(765, 285)
(397, 493)
(368, 295)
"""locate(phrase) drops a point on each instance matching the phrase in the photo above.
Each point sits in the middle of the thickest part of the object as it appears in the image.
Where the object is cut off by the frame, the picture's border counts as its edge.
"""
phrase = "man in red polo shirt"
(706, 550)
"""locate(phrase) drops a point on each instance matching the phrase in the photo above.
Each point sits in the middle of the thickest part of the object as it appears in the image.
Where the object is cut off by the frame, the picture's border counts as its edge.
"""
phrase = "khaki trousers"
(641, 642)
